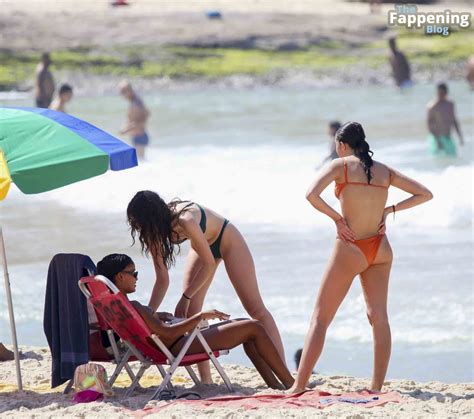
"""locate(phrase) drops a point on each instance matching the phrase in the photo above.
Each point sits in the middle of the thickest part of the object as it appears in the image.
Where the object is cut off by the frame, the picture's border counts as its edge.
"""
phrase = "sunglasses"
(134, 273)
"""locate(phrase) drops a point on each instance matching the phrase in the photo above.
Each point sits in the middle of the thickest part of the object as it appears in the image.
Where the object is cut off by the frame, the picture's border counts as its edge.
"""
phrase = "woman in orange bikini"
(361, 247)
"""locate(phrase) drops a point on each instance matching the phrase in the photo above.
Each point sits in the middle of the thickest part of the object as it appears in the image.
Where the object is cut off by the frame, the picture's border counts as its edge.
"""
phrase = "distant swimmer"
(374, 6)
(64, 96)
(441, 118)
(400, 67)
(470, 72)
(44, 83)
(332, 129)
(137, 118)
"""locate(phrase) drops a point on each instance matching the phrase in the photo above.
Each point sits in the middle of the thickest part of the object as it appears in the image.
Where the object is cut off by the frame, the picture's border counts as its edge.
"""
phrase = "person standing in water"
(44, 83)
(470, 72)
(332, 129)
(400, 67)
(161, 228)
(361, 246)
(64, 96)
(137, 118)
(441, 118)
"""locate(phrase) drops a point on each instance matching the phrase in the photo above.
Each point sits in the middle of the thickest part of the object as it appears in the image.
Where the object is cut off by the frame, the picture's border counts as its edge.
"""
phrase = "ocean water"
(251, 155)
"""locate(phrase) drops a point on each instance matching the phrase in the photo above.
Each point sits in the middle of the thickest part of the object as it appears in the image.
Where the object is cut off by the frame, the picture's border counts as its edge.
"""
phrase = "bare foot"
(295, 390)
(5, 354)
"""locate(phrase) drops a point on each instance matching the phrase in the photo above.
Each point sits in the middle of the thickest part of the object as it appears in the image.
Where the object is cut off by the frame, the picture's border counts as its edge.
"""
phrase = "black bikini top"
(202, 223)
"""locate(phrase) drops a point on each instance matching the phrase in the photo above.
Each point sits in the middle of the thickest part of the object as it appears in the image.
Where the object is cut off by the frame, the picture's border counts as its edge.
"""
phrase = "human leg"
(241, 270)
(193, 266)
(345, 263)
(374, 282)
(257, 344)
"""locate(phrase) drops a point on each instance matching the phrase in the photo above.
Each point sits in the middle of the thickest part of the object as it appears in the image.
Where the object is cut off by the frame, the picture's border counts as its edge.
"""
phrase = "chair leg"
(120, 366)
(193, 375)
(135, 382)
(216, 363)
(165, 383)
(163, 375)
(171, 370)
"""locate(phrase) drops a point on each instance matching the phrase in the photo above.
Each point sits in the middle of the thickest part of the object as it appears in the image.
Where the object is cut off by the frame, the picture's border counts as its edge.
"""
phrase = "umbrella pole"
(10, 311)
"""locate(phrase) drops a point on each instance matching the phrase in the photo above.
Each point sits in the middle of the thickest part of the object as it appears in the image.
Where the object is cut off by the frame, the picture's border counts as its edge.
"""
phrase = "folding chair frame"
(116, 354)
(172, 361)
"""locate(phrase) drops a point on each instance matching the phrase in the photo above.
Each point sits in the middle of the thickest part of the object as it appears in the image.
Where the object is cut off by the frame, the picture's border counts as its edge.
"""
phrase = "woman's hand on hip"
(382, 226)
(344, 232)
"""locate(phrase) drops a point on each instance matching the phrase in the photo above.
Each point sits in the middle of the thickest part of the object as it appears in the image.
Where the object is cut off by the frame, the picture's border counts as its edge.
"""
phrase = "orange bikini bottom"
(370, 246)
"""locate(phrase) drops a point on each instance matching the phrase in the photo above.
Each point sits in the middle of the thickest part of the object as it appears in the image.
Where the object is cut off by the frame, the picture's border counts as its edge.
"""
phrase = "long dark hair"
(151, 219)
(352, 134)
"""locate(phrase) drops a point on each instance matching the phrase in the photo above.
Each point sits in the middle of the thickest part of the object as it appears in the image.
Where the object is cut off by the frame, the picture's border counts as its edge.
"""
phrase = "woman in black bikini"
(162, 227)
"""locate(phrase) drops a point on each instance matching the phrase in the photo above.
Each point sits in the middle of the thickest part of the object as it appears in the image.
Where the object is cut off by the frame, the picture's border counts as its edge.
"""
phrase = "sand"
(51, 24)
(433, 399)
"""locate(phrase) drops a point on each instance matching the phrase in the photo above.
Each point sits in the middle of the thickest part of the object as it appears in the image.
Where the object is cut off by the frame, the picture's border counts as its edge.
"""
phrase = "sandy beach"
(169, 44)
(213, 112)
(433, 399)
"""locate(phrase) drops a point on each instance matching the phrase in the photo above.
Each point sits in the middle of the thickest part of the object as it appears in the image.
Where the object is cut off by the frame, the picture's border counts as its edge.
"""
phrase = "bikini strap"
(203, 221)
(345, 170)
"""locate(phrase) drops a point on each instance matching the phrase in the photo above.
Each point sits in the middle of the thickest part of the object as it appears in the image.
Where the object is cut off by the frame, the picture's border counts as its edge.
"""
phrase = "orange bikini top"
(338, 187)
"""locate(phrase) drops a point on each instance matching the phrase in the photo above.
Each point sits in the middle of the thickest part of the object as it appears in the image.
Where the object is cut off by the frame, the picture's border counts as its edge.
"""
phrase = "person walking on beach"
(137, 118)
(228, 334)
(441, 118)
(361, 247)
(400, 67)
(161, 227)
(64, 96)
(44, 82)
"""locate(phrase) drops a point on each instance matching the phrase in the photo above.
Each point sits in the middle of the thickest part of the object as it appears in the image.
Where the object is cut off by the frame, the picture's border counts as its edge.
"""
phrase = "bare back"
(363, 204)
(213, 223)
(137, 117)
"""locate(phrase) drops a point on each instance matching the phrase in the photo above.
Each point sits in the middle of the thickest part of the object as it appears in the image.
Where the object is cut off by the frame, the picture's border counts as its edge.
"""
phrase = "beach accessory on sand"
(90, 383)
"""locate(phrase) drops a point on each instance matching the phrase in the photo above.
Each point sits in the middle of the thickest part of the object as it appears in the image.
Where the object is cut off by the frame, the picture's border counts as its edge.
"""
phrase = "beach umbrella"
(41, 150)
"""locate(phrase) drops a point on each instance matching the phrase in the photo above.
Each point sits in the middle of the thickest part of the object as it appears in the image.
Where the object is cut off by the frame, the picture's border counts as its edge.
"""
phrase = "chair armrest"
(203, 324)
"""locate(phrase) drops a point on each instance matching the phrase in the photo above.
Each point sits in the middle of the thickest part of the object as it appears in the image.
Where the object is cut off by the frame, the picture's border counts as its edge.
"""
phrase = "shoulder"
(431, 104)
(338, 163)
(383, 168)
(186, 217)
(335, 168)
(379, 165)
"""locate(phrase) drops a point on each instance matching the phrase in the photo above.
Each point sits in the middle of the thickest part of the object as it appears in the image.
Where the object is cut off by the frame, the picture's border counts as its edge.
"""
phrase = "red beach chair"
(146, 347)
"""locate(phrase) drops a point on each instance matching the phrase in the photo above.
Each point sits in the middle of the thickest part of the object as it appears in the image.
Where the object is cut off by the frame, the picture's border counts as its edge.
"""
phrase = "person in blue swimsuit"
(161, 227)
(137, 118)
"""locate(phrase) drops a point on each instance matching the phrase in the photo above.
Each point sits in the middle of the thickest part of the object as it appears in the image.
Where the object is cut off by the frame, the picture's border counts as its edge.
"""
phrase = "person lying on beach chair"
(225, 335)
